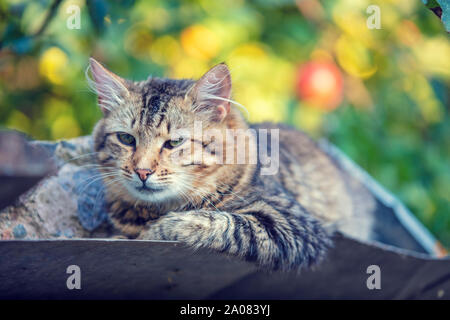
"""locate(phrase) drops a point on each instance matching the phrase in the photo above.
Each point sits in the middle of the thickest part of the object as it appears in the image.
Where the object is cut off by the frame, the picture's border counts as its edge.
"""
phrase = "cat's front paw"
(190, 227)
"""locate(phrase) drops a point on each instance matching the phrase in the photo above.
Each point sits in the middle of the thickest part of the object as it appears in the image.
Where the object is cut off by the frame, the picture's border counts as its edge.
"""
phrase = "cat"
(155, 191)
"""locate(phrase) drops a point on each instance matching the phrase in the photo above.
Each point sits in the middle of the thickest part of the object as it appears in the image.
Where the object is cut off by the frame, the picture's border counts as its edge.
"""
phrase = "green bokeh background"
(393, 118)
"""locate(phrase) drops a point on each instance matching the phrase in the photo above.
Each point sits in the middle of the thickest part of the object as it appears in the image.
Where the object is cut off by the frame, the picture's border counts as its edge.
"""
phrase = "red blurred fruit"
(320, 84)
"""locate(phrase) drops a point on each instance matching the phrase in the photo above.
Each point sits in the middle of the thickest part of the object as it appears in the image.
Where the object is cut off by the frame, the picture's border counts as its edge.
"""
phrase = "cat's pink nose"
(143, 173)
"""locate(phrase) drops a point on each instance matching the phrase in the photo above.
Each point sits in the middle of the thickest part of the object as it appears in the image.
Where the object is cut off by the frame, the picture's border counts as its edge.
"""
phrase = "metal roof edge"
(422, 235)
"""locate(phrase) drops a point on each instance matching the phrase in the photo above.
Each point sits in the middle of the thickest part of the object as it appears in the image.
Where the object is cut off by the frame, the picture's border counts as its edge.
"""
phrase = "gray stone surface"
(68, 203)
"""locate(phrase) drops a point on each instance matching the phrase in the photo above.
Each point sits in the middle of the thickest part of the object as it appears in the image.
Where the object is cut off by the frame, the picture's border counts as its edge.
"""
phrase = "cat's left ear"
(110, 88)
(212, 92)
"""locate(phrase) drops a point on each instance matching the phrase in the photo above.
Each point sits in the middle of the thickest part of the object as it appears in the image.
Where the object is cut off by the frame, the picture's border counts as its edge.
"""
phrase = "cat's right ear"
(110, 88)
(211, 93)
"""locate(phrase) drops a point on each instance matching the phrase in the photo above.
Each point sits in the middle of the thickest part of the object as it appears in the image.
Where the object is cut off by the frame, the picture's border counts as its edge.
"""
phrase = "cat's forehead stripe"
(155, 98)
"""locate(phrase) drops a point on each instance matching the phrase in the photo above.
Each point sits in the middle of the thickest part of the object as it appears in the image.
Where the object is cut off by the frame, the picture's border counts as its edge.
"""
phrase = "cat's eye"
(126, 139)
(174, 143)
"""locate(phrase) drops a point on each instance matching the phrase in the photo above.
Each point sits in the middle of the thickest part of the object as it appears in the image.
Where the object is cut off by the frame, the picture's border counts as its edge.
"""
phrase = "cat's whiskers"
(203, 194)
(231, 192)
(209, 201)
(96, 178)
(105, 185)
(198, 190)
(95, 166)
(216, 184)
(183, 191)
(188, 198)
(90, 154)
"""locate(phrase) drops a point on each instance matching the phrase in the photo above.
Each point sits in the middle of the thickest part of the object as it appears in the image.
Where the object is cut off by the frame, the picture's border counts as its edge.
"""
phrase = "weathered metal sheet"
(21, 166)
(404, 275)
(123, 269)
(393, 223)
(112, 269)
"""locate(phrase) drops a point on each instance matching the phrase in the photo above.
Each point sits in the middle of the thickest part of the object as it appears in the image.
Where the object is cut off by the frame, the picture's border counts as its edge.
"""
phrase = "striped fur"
(278, 221)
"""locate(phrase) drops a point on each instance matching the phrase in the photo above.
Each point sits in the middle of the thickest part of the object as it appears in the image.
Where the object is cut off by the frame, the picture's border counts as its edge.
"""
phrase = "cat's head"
(148, 141)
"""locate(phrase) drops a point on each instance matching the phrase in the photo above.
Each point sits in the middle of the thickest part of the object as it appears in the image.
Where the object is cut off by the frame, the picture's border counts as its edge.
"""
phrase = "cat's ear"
(212, 92)
(110, 88)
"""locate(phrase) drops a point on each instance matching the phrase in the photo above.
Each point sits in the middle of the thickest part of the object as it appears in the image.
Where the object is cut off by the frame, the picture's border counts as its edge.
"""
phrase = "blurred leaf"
(445, 6)
(12, 32)
(22, 45)
(430, 3)
(441, 8)
(124, 4)
(17, 10)
(98, 10)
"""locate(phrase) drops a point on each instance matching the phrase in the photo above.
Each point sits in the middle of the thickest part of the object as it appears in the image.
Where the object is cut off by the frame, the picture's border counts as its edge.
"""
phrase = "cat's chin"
(150, 194)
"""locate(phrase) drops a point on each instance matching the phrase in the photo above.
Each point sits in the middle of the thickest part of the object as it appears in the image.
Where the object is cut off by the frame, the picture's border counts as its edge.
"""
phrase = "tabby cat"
(166, 182)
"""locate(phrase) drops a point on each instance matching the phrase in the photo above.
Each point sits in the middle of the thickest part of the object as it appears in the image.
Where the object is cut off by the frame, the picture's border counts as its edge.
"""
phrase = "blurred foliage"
(442, 9)
(384, 101)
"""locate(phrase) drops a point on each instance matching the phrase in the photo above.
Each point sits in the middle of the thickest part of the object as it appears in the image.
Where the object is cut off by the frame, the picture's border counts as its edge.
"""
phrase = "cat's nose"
(143, 173)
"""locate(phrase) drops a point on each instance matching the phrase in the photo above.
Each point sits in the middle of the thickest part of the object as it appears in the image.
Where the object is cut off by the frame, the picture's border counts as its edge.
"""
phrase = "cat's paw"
(190, 227)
